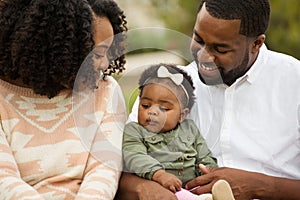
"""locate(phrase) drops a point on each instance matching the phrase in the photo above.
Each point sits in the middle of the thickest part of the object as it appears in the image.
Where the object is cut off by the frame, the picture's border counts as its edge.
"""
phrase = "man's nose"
(204, 56)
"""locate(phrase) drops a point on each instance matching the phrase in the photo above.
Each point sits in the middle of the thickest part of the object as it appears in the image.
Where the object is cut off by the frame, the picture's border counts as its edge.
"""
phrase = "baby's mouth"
(151, 121)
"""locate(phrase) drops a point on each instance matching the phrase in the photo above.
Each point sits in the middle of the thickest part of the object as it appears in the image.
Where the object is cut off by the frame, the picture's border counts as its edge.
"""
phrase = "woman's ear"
(183, 114)
(258, 42)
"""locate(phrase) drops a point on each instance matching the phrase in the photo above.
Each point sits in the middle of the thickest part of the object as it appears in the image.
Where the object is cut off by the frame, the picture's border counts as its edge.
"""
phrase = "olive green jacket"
(178, 152)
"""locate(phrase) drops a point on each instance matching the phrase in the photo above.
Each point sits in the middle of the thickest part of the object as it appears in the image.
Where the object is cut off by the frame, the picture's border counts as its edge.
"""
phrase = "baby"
(164, 146)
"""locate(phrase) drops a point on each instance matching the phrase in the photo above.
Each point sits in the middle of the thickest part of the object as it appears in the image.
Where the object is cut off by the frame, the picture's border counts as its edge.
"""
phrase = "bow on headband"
(163, 72)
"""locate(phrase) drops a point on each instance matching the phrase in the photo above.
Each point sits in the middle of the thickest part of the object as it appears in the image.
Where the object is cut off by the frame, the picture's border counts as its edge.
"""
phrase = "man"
(248, 106)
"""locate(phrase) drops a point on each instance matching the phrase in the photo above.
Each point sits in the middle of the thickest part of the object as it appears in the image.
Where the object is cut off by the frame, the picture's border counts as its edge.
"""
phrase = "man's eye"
(221, 51)
(199, 41)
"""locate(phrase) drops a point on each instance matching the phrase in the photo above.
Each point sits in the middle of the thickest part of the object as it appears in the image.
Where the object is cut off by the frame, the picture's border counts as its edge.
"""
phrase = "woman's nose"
(104, 63)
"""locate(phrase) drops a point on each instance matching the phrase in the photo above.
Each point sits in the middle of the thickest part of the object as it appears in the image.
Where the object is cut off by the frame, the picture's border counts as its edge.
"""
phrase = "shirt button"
(188, 138)
(180, 172)
(153, 138)
(174, 149)
(180, 159)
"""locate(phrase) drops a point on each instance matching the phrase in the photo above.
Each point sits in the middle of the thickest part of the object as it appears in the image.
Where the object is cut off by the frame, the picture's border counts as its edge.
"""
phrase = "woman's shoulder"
(108, 85)
(108, 81)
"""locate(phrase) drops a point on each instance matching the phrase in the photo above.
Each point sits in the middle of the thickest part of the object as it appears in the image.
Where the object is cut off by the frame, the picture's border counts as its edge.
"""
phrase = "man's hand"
(247, 185)
(167, 180)
(243, 183)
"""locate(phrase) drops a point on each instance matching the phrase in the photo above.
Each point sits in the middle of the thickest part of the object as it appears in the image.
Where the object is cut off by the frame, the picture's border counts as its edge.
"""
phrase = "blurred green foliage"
(179, 15)
(283, 34)
(284, 30)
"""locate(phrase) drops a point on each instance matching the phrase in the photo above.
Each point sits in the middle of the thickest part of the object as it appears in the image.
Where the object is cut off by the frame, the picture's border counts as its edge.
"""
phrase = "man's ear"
(258, 42)
(183, 114)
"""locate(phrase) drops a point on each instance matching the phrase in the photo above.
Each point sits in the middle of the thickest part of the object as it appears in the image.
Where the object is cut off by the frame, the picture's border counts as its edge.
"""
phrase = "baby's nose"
(153, 110)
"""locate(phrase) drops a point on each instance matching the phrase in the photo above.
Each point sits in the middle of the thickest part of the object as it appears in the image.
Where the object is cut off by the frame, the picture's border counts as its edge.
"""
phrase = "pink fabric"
(184, 194)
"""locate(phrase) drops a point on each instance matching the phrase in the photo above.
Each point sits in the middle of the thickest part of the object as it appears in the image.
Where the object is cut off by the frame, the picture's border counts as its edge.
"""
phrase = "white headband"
(163, 72)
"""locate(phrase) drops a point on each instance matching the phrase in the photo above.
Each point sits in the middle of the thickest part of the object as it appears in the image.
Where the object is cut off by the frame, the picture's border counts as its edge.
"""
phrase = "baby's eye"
(145, 105)
(163, 108)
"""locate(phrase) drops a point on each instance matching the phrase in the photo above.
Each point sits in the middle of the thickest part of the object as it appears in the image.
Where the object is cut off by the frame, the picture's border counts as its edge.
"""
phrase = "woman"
(59, 140)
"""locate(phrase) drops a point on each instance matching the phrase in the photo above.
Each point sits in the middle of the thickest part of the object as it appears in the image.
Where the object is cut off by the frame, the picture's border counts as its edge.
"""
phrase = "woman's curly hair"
(43, 43)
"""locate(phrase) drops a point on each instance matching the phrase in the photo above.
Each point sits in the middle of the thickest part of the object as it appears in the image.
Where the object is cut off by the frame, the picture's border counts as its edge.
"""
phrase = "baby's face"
(159, 109)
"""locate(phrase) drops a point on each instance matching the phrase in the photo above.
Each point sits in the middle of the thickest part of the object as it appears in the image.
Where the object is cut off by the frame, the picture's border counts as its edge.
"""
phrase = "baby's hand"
(167, 180)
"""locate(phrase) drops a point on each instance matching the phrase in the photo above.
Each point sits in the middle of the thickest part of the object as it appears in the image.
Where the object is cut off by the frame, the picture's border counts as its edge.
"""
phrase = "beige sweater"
(67, 147)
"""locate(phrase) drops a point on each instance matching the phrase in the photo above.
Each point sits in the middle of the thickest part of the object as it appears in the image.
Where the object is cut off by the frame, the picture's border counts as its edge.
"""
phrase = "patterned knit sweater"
(67, 147)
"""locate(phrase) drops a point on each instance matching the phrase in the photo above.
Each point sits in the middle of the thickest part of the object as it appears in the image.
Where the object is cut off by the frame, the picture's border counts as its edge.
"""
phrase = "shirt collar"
(256, 68)
(252, 73)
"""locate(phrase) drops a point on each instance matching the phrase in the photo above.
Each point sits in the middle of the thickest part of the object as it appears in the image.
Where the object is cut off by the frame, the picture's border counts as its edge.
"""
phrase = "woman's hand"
(132, 187)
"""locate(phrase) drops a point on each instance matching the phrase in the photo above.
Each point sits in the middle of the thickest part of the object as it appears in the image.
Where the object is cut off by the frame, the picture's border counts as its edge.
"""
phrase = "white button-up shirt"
(255, 123)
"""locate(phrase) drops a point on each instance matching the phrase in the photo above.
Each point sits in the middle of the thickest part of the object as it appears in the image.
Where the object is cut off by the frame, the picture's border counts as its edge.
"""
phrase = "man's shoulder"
(281, 59)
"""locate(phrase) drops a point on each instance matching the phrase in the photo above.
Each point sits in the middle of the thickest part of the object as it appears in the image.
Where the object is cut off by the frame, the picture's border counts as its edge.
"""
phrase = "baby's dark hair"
(254, 14)
(187, 83)
(44, 43)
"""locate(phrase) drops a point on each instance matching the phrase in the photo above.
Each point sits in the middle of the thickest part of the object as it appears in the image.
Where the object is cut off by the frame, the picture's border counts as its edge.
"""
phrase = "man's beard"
(227, 78)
